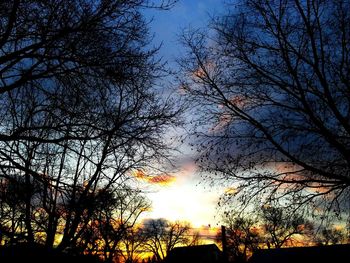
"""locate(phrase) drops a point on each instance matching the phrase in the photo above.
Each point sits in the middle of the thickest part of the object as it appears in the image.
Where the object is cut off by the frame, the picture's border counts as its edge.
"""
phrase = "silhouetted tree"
(268, 226)
(282, 226)
(131, 247)
(114, 215)
(11, 210)
(243, 236)
(330, 236)
(60, 40)
(196, 239)
(162, 236)
(270, 87)
(78, 113)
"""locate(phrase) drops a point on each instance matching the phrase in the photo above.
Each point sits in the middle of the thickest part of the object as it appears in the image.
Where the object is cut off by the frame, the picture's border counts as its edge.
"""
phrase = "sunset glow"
(174, 131)
(183, 198)
(162, 179)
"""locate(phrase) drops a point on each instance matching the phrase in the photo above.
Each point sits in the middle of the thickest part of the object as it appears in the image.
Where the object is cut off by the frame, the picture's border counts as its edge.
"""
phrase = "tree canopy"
(78, 113)
(269, 83)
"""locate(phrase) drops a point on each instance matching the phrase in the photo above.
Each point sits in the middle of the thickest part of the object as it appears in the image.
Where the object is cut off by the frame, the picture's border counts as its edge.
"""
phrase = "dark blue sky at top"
(168, 202)
(168, 25)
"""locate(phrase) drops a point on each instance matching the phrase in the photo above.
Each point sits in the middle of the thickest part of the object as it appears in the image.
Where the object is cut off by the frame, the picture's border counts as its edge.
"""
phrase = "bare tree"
(78, 113)
(114, 215)
(270, 87)
(330, 236)
(282, 227)
(12, 210)
(265, 227)
(60, 39)
(162, 236)
(243, 236)
(131, 248)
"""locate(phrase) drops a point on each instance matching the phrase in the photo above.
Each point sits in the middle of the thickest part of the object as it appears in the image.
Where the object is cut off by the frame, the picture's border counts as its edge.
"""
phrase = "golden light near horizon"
(184, 203)
(179, 196)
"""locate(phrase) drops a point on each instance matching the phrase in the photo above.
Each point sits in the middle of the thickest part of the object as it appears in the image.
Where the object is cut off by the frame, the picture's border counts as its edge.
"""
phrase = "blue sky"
(187, 198)
(167, 25)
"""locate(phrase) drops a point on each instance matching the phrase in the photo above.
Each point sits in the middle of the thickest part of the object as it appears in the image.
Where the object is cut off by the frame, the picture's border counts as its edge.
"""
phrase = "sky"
(186, 197)
(167, 25)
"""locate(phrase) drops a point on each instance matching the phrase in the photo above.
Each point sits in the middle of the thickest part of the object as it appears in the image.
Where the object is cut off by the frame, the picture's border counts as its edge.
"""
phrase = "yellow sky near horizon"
(181, 196)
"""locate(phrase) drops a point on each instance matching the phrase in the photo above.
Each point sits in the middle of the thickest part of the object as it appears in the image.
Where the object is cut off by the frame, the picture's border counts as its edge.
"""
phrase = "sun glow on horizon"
(180, 195)
(184, 201)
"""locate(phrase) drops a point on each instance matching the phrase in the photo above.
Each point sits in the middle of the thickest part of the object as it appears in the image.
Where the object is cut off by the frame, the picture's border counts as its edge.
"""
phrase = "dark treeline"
(273, 227)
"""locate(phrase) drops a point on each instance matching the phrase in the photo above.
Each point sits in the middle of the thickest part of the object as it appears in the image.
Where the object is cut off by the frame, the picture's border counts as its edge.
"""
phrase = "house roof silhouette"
(319, 254)
(198, 254)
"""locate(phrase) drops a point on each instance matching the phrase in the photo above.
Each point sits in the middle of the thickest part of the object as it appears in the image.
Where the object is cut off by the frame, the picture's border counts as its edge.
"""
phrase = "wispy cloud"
(161, 179)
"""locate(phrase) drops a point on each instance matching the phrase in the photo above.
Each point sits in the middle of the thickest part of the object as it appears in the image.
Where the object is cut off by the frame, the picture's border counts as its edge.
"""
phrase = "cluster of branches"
(109, 214)
(162, 236)
(78, 112)
(274, 227)
(154, 238)
(270, 84)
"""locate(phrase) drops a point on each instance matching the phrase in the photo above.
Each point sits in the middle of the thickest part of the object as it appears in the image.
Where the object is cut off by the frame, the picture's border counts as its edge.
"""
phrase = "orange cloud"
(162, 179)
(165, 179)
(184, 171)
(292, 174)
(285, 167)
